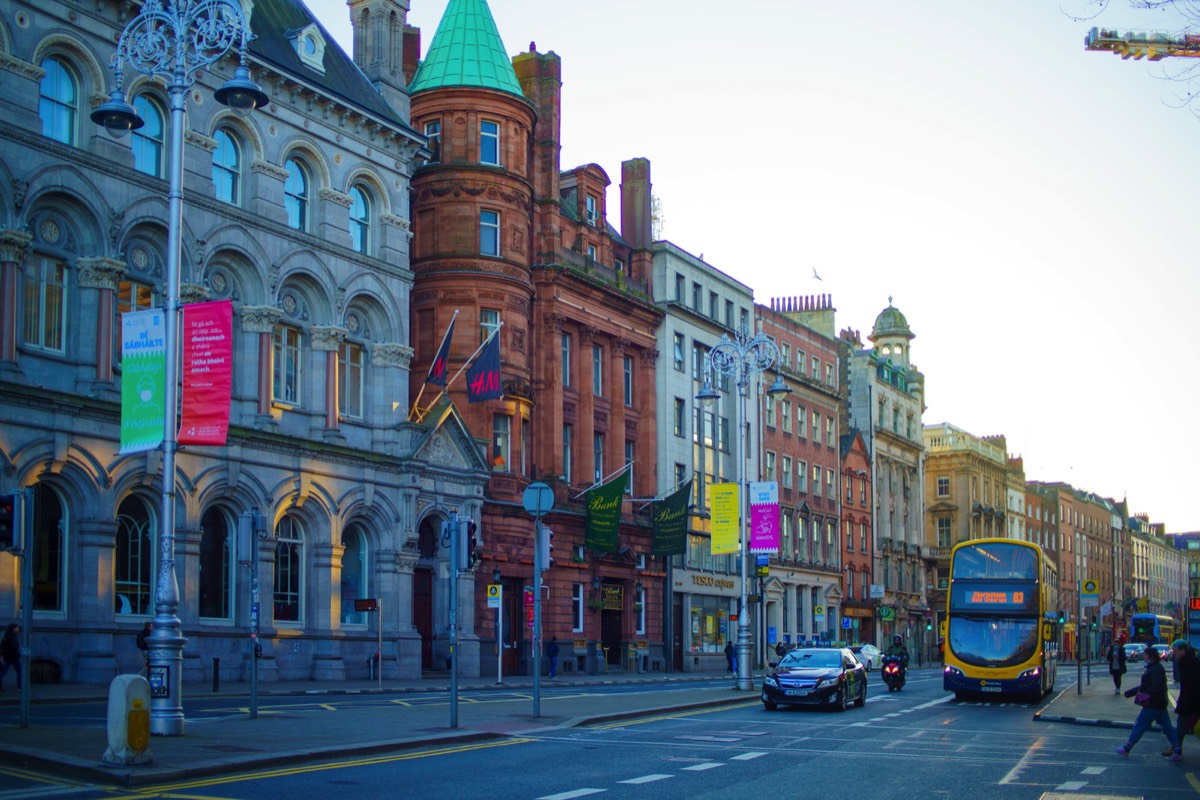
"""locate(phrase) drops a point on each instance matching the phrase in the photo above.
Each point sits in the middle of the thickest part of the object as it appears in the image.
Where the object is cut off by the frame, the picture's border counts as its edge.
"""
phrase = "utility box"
(128, 721)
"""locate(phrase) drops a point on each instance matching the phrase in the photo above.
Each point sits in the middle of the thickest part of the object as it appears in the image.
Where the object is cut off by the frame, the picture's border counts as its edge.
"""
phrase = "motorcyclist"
(898, 650)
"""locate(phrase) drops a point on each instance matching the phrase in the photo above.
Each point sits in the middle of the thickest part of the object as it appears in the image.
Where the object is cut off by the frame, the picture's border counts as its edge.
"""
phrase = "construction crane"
(1152, 45)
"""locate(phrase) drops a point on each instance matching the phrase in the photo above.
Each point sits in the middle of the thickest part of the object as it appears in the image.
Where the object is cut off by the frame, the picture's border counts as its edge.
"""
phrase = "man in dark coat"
(1187, 705)
(1116, 664)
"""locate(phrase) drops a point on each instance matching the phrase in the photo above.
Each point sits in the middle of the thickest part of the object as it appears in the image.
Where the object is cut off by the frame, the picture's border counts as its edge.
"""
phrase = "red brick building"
(508, 240)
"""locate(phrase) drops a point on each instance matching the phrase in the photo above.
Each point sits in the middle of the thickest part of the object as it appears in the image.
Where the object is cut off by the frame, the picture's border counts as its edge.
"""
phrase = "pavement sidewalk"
(310, 726)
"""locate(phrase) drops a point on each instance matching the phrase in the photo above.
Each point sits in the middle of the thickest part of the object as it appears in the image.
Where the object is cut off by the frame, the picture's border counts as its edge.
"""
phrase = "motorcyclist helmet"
(897, 640)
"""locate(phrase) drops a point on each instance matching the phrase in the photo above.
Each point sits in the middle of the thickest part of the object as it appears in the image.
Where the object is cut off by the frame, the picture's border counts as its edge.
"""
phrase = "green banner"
(143, 379)
(669, 520)
(604, 514)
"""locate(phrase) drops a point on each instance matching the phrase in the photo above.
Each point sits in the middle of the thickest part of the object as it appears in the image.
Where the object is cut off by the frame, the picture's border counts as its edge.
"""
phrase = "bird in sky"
(815, 275)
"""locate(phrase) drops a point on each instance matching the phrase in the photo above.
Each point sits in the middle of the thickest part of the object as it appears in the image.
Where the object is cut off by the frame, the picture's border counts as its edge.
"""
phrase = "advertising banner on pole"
(143, 379)
(207, 372)
(725, 518)
(668, 519)
(764, 517)
(603, 521)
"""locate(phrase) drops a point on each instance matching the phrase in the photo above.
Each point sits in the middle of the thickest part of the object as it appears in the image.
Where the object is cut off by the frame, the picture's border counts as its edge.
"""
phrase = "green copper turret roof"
(466, 51)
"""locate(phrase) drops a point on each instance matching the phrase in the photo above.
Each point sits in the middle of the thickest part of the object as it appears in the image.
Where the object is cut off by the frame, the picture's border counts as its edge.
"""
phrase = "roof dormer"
(309, 44)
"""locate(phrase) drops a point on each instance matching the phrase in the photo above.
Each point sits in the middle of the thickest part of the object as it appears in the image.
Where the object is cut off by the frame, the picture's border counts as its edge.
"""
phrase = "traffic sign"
(493, 596)
(538, 498)
(1090, 594)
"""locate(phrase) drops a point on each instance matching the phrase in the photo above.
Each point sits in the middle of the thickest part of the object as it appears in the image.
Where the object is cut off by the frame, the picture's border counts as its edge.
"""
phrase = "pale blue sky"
(1024, 201)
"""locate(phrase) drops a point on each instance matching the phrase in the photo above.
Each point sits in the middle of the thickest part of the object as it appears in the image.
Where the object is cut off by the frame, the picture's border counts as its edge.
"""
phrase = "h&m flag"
(764, 517)
(669, 522)
(604, 514)
(143, 379)
(437, 367)
(207, 372)
(483, 377)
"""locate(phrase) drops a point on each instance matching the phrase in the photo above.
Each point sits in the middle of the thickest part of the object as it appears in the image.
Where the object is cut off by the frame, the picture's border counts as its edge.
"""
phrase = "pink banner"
(207, 372)
(764, 517)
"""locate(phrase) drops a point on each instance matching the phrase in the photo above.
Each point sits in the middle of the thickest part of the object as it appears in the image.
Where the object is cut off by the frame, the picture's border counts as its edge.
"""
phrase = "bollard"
(216, 675)
(128, 730)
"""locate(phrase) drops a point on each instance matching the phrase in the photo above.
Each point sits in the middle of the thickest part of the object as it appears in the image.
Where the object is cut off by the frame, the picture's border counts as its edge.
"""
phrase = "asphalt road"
(918, 743)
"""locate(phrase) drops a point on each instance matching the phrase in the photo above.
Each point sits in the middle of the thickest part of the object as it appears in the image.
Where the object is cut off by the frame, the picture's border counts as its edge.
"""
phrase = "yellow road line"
(301, 770)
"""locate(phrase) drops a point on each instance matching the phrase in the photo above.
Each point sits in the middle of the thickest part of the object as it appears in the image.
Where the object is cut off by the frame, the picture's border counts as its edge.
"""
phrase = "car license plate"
(990, 688)
(795, 692)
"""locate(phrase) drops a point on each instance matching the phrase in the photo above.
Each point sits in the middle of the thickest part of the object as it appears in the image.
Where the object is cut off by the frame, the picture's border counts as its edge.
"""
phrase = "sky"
(1023, 202)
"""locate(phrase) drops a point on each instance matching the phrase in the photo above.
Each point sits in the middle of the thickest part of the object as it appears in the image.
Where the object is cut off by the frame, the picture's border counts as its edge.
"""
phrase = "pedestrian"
(780, 650)
(1116, 664)
(144, 645)
(730, 657)
(1187, 704)
(10, 653)
(1151, 695)
(552, 655)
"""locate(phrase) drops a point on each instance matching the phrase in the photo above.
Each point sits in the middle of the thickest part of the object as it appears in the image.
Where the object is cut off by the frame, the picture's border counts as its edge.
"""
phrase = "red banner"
(207, 372)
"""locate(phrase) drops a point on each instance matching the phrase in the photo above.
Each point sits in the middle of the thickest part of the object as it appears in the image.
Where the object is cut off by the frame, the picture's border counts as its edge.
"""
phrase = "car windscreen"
(812, 659)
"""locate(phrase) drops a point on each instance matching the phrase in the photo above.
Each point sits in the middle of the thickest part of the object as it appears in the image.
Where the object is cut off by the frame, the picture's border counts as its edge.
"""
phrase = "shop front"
(705, 615)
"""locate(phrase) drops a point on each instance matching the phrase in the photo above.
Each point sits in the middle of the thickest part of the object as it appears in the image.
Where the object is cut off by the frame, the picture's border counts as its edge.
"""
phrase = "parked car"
(1164, 651)
(816, 676)
(1133, 651)
(868, 654)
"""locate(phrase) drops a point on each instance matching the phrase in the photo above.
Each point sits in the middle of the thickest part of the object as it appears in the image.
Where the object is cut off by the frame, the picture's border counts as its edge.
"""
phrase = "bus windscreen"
(1000, 560)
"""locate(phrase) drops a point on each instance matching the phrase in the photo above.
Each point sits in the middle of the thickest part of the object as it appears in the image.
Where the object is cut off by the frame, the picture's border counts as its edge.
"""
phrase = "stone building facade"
(299, 216)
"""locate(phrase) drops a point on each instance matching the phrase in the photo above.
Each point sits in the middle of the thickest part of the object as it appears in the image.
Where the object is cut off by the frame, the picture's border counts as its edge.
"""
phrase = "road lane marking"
(705, 766)
(647, 779)
(624, 723)
(1094, 770)
(571, 794)
(1019, 767)
(1071, 786)
(747, 756)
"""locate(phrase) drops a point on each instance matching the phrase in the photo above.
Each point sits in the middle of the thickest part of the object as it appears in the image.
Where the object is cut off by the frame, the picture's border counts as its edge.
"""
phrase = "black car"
(816, 676)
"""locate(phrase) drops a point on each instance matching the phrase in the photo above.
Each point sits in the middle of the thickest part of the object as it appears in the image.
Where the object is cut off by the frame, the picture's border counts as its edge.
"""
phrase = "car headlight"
(771, 681)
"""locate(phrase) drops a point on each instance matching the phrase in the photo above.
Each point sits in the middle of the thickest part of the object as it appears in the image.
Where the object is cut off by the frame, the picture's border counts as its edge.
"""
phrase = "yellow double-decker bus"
(1000, 631)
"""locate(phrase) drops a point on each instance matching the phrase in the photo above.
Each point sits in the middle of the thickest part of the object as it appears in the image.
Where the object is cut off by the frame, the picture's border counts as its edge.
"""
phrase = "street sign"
(876, 591)
(538, 498)
(1089, 595)
(493, 596)
(819, 613)
(369, 604)
(847, 622)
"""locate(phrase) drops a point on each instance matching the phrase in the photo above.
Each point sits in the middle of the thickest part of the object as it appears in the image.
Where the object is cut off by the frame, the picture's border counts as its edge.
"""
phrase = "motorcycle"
(893, 673)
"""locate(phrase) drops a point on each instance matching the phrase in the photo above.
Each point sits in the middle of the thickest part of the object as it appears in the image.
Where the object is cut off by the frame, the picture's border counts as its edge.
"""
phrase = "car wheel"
(843, 698)
(769, 706)
(862, 699)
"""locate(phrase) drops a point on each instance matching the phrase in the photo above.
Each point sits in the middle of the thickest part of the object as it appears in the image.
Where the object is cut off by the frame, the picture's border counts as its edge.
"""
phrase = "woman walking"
(1116, 664)
(1151, 695)
(1187, 705)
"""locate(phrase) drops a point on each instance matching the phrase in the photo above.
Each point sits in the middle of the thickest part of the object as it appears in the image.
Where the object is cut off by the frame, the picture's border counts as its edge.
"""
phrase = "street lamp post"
(743, 357)
(175, 40)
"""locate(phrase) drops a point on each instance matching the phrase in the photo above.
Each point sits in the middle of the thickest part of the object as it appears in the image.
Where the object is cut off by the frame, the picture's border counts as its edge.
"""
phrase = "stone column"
(94, 649)
(804, 610)
(102, 275)
(261, 320)
(325, 587)
(328, 339)
(13, 246)
(407, 638)
(789, 598)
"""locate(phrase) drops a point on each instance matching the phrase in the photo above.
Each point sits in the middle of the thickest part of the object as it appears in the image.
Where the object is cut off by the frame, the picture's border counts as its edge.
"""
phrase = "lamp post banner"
(143, 379)
(669, 522)
(726, 519)
(604, 514)
(764, 517)
(207, 372)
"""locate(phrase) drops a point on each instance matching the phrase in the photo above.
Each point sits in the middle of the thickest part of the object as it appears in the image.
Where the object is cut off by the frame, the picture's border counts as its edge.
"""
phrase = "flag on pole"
(669, 522)
(483, 377)
(437, 367)
(604, 514)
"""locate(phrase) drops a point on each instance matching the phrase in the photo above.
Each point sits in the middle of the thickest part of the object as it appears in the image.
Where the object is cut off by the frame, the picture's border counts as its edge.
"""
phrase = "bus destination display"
(994, 597)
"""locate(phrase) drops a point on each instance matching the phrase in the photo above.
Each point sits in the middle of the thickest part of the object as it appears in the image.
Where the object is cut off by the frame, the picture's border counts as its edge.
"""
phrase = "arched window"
(148, 140)
(355, 582)
(289, 570)
(50, 574)
(58, 102)
(227, 167)
(360, 219)
(352, 369)
(44, 325)
(296, 194)
(216, 566)
(134, 557)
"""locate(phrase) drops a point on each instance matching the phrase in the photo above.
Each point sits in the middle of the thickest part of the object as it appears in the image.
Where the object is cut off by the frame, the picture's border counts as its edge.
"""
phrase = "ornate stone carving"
(193, 293)
(327, 337)
(200, 140)
(100, 273)
(334, 196)
(260, 319)
(13, 244)
(391, 354)
(396, 221)
(267, 168)
(554, 321)
(24, 69)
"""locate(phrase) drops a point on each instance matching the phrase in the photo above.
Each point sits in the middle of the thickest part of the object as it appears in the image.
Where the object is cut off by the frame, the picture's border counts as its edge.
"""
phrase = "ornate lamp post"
(175, 40)
(743, 357)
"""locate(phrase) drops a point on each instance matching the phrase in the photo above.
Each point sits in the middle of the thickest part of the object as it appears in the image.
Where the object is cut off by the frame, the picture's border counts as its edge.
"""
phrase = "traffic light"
(545, 547)
(1062, 617)
(1094, 623)
(8, 523)
(469, 553)
(929, 623)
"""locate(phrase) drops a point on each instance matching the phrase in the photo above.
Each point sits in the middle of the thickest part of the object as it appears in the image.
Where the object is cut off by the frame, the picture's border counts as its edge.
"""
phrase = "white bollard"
(128, 721)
